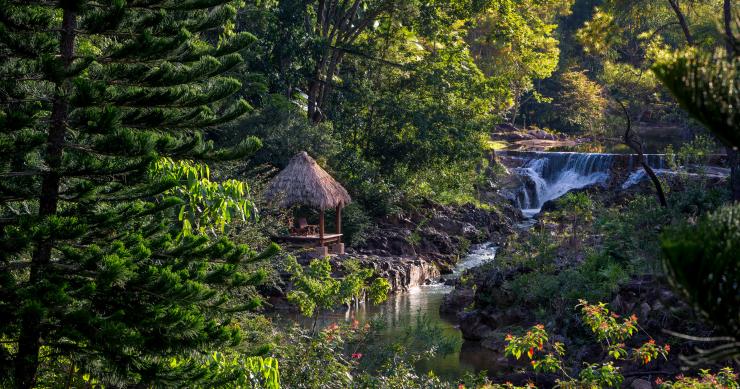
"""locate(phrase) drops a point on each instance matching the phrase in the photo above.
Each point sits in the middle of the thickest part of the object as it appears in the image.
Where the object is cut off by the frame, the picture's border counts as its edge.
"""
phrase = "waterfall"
(694, 172)
(547, 176)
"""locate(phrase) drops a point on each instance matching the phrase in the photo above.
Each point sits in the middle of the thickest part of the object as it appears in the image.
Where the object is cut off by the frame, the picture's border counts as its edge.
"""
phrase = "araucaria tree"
(97, 276)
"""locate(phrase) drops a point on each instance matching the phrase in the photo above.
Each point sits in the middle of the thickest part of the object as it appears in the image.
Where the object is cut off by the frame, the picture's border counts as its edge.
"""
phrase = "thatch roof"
(303, 181)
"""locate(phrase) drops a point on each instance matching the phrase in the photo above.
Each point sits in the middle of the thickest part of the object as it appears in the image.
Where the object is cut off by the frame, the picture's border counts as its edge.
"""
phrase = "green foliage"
(606, 327)
(576, 208)
(624, 230)
(406, 96)
(707, 87)
(357, 225)
(323, 359)
(582, 102)
(547, 356)
(725, 378)
(696, 152)
(206, 203)
(315, 289)
(227, 370)
(597, 278)
(354, 355)
(515, 43)
(702, 262)
(690, 162)
(100, 105)
(284, 131)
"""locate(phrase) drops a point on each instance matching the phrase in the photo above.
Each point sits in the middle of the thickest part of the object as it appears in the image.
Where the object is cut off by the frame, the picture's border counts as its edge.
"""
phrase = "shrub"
(611, 332)
(724, 379)
(702, 262)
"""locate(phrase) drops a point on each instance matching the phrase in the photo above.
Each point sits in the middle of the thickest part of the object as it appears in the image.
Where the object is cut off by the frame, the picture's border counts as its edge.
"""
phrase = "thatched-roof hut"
(304, 182)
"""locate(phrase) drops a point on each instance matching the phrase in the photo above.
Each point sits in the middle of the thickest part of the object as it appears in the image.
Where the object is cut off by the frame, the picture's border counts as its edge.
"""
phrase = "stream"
(543, 176)
(401, 311)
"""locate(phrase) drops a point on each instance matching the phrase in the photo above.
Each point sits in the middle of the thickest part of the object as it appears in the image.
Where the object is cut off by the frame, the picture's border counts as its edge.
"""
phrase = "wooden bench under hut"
(304, 182)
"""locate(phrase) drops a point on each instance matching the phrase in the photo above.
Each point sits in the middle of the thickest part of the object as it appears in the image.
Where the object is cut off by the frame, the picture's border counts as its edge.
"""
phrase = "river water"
(402, 310)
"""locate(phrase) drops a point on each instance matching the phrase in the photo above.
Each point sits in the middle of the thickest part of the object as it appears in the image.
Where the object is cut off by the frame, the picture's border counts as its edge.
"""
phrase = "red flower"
(356, 356)
(461, 386)
(658, 381)
(667, 348)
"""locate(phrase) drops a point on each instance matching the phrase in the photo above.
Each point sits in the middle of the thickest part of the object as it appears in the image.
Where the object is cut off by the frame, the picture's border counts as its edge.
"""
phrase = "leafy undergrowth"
(584, 250)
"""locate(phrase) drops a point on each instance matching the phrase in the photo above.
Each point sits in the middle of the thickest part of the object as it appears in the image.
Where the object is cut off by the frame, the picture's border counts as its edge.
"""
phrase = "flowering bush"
(610, 330)
(724, 379)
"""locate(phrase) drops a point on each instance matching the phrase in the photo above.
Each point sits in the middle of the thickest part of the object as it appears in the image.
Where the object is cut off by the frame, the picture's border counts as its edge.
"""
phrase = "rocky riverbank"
(440, 234)
(415, 248)
(527, 285)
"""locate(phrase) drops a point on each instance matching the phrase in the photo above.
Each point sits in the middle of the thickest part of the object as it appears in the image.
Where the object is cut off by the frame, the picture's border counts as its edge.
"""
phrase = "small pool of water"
(403, 309)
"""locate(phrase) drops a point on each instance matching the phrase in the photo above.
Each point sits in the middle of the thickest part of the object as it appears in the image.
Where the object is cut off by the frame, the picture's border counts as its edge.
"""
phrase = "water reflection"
(402, 311)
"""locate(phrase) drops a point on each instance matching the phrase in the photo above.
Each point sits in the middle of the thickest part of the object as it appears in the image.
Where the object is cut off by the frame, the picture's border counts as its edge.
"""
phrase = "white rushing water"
(704, 171)
(402, 310)
(548, 176)
(479, 255)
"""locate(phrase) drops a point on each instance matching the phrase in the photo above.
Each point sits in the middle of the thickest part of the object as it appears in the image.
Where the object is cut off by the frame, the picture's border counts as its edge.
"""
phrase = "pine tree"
(96, 274)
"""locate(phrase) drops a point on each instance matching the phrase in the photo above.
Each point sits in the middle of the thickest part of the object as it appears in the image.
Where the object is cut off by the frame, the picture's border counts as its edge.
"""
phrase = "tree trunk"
(630, 139)
(29, 341)
(656, 181)
(733, 159)
(339, 26)
(733, 155)
(730, 37)
(313, 93)
(326, 89)
(682, 22)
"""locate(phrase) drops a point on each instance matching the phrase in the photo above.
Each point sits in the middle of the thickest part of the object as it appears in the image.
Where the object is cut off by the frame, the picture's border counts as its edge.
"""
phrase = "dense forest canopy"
(138, 249)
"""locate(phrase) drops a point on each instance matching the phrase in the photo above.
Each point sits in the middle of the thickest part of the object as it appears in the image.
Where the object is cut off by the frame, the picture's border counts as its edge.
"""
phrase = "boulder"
(473, 327)
(401, 272)
(641, 384)
(456, 301)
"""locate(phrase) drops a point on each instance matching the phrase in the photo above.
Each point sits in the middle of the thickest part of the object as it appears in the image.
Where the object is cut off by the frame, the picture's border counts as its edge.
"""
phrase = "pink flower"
(356, 356)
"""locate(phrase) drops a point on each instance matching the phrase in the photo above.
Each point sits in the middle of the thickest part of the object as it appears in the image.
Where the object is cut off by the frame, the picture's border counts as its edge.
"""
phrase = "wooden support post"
(321, 227)
(338, 220)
